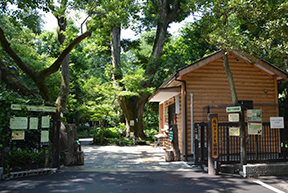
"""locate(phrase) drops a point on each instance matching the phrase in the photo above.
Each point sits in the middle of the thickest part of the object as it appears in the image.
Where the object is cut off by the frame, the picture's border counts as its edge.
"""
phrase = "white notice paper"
(45, 122)
(277, 122)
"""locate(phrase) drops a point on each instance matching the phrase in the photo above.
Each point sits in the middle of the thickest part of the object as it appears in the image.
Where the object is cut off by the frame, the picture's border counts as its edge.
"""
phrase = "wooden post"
(175, 145)
(213, 146)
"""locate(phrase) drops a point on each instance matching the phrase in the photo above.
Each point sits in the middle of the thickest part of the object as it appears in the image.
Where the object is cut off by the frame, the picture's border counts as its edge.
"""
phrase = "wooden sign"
(233, 109)
(215, 147)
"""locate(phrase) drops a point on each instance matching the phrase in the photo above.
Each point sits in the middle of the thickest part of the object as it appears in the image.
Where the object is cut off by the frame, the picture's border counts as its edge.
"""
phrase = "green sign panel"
(233, 109)
(34, 108)
(170, 133)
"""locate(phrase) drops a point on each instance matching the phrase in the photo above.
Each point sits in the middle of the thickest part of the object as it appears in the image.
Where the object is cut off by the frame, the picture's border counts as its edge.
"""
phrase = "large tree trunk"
(65, 76)
(133, 110)
(133, 107)
(115, 52)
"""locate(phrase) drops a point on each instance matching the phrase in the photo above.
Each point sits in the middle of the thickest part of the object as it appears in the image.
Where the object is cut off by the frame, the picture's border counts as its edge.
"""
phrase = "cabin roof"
(260, 63)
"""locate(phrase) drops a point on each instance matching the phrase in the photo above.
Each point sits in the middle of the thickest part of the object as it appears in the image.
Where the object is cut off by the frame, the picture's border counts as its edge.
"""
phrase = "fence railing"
(271, 146)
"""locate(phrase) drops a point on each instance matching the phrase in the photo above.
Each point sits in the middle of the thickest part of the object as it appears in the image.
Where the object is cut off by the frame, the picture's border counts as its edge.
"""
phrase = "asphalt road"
(138, 182)
(138, 169)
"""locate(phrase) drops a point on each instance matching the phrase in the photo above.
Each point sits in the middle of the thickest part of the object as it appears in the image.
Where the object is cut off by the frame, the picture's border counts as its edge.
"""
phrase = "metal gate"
(271, 146)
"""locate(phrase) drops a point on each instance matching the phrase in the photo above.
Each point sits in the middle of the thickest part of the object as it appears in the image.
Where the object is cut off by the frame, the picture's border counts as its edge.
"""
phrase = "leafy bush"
(20, 154)
(24, 159)
(151, 132)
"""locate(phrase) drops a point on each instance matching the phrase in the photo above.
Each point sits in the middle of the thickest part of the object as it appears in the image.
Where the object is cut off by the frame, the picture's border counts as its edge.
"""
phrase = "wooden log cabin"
(184, 97)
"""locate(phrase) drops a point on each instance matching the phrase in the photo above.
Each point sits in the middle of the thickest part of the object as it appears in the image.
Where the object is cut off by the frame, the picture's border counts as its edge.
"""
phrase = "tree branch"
(56, 65)
(12, 81)
(7, 48)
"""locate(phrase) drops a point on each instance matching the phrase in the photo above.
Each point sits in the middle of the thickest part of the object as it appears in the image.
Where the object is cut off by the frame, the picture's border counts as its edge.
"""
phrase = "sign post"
(213, 144)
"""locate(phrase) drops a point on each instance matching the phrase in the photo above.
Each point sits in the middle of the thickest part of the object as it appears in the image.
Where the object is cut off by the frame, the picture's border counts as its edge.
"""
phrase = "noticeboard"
(277, 122)
(254, 128)
(33, 123)
(45, 123)
(254, 115)
(234, 131)
(18, 135)
(44, 136)
(233, 117)
(18, 123)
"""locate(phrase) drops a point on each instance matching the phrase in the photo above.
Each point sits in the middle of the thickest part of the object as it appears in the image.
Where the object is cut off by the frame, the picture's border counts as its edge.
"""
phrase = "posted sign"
(215, 137)
(277, 122)
(233, 109)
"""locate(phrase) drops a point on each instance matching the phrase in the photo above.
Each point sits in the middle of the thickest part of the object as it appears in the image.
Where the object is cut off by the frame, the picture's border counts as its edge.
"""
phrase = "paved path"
(124, 158)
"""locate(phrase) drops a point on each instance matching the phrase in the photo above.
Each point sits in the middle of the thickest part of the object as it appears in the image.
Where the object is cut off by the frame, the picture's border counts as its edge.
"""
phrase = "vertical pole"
(57, 152)
(213, 144)
(196, 156)
(56, 145)
(243, 159)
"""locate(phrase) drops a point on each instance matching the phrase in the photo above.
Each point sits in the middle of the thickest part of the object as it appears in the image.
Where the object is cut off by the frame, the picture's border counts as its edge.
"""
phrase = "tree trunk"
(115, 52)
(65, 76)
(230, 77)
(235, 101)
(133, 110)
(133, 107)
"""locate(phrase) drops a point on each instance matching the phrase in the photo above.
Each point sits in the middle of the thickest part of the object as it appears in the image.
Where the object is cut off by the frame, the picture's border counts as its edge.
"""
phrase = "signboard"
(132, 122)
(234, 131)
(254, 128)
(18, 123)
(18, 135)
(233, 117)
(44, 136)
(233, 109)
(170, 134)
(34, 108)
(45, 122)
(254, 115)
(277, 122)
(215, 137)
(33, 123)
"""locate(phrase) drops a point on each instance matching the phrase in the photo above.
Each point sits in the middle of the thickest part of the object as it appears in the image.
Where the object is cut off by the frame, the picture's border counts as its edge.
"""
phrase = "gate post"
(196, 142)
(213, 145)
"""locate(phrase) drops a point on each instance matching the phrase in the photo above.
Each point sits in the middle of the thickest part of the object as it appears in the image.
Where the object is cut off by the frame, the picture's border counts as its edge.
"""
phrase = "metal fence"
(271, 146)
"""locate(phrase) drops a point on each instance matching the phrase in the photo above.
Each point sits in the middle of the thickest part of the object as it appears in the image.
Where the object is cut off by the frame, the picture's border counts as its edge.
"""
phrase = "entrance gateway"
(265, 142)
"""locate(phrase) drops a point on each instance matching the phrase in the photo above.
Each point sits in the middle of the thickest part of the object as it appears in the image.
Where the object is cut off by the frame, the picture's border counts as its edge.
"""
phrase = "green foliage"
(25, 159)
(20, 154)
(258, 27)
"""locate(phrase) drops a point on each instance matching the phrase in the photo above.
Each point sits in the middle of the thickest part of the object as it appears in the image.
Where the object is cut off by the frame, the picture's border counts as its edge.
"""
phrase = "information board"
(254, 128)
(277, 122)
(254, 115)
(44, 136)
(45, 122)
(233, 117)
(234, 131)
(18, 135)
(18, 123)
(33, 123)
